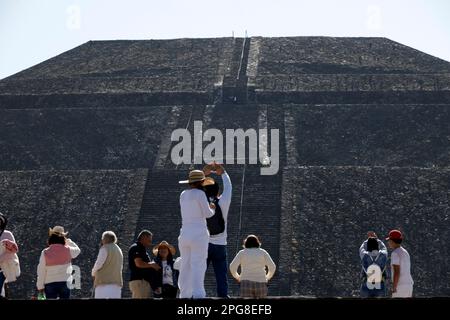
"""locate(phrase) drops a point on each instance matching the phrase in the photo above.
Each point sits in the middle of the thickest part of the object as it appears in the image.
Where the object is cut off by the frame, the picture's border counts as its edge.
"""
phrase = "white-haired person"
(54, 272)
(194, 236)
(107, 270)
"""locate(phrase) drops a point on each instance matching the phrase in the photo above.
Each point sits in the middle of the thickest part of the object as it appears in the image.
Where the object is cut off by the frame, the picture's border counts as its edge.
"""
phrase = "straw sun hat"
(58, 230)
(194, 176)
(164, 244)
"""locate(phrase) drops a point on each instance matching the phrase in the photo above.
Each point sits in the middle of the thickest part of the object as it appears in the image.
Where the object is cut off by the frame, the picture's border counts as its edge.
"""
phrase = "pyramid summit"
(201, 66)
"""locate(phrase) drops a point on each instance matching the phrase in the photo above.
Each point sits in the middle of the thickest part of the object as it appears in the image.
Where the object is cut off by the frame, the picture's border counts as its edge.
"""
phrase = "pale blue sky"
(32, 31)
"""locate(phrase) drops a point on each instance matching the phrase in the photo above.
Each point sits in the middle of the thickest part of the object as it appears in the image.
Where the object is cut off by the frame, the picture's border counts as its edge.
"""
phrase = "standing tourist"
(143, 271)
(194, 236)
(54, 272)
(402, 282)
(253, 261)
(217, 225)
(107, 271)
(374, 262)
(168, 275)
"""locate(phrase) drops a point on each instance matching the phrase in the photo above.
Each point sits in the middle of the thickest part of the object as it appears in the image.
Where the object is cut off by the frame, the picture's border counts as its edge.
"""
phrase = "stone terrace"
(364, 144)
(128, 66)
(335, 206)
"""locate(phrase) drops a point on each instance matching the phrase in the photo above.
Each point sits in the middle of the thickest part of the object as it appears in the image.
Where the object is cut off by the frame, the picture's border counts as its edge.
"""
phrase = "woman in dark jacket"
(167, 275)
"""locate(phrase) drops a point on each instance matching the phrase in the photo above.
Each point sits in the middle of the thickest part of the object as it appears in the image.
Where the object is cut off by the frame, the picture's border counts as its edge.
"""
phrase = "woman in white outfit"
(107, 271)
(194, 237)
(253, 261)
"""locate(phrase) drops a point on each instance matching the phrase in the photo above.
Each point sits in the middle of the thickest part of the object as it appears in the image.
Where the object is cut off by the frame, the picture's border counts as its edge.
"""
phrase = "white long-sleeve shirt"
(101, 258)
(56, 273)
(194, 208)
(253, 262)
(224, 203)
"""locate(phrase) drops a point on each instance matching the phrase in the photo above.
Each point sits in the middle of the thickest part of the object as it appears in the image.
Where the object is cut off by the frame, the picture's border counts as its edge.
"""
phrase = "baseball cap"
(395, 235)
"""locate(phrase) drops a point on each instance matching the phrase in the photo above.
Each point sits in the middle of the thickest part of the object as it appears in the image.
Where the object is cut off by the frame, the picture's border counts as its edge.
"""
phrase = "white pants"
(193, 244)
(108, 291)
(403, 291)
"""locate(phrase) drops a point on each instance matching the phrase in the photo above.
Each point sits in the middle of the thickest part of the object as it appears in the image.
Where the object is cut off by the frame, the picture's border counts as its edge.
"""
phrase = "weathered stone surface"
(331, 55)
(128, 66)
(372, 135)
(62, 139)
(334, 207)
(86, 203)
(364, 144)
(344, 70)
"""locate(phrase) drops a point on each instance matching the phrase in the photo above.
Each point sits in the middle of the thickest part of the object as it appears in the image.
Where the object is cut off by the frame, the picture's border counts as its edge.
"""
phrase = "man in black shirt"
(142, 269)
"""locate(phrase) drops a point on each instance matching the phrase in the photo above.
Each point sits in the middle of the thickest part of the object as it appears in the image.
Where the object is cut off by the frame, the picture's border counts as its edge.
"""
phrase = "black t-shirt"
(137, 250)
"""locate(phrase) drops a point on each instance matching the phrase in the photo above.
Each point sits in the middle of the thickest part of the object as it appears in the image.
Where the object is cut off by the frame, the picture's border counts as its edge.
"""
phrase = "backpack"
(216, 224)
(374, 274)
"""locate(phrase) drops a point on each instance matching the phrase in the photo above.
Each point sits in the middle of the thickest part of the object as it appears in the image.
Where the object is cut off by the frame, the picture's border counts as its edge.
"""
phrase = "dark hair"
(197, 185)
(144, 233)
(169, 256)
(56, 239)
(212, 190)
(397, 241)
(252, 241)
(372, 244)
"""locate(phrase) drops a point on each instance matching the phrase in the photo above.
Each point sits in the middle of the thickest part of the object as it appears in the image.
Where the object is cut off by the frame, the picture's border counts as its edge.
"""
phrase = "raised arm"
(363, 249)
(382, 247)
(225, 198)
(9, 241)
(74, 249)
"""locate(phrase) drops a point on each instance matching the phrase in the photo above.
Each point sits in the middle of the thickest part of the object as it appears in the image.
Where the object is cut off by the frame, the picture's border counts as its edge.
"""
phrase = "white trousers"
(193, 245)
(108, 291)
(403, 291)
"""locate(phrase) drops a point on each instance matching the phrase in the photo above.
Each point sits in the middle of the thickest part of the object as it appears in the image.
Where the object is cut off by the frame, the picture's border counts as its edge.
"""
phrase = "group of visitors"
(374, 260)
(202, 241)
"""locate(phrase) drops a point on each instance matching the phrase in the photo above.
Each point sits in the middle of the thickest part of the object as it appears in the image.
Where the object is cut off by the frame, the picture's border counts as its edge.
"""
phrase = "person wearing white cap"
(194, 237)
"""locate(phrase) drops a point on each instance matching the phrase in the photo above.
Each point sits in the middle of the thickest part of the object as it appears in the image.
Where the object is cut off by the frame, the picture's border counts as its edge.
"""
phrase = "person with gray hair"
(107, 271)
